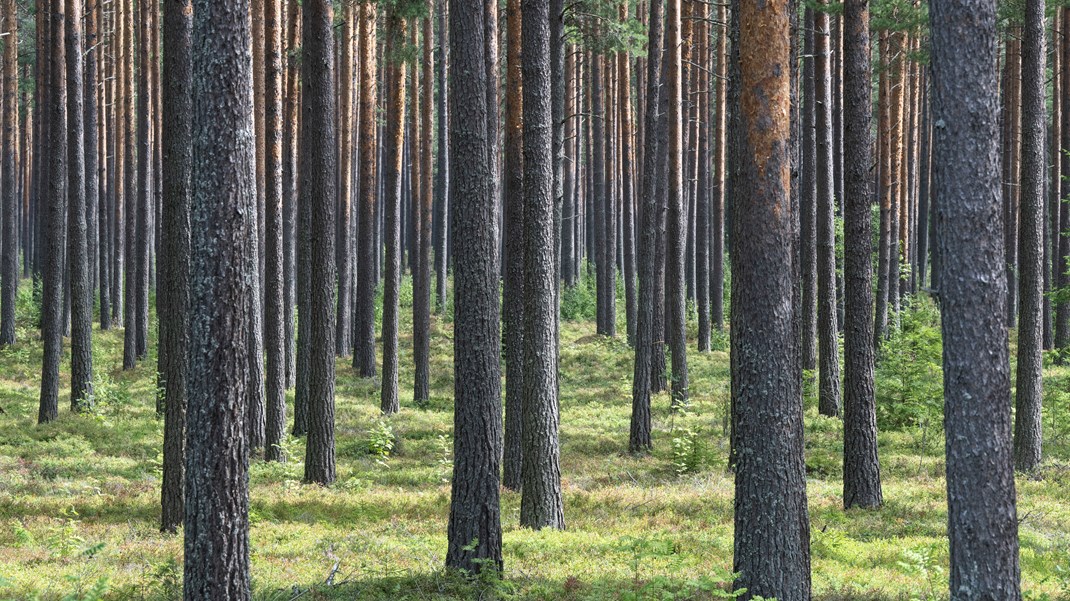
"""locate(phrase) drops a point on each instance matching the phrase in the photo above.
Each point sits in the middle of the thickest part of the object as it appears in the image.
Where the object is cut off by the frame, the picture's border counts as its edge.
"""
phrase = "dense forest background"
(534, 299)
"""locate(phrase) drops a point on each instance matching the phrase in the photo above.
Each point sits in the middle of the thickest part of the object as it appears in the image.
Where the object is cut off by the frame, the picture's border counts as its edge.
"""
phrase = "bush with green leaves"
(910, 376)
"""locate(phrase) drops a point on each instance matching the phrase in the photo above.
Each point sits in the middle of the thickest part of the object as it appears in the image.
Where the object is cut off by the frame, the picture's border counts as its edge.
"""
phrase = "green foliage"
(923, 563)
(381, 441)
(909, 377)
(580, 302)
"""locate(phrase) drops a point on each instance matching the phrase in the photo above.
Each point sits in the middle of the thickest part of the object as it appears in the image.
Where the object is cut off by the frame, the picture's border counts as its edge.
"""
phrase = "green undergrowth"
(79, 497)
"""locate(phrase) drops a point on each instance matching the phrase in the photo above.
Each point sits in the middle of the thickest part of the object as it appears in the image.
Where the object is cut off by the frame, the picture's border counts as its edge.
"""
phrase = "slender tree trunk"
(222, 193)
(317, 156)
(541, 503)
(53, 218)
(145, 177)
(130, 193)
(78, 239)
(367, 223)
(861, 466)
(624, 99)
(772, 551)
(982, 519)
(9, 262)
(702, 188)
(174, 292)
(808, 201)
(1029, 387)
(289, 190)
(675, 236)
(91, 141)
(393, 152)
(442, 175)
(274, 272)
(827, 330)
(474, 533)
(719, 179)
(343, 250)
(514, 204)
(422, 214)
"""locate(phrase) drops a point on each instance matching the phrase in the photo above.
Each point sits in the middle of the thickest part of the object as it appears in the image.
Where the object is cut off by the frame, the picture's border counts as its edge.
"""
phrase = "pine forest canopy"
(346, 299)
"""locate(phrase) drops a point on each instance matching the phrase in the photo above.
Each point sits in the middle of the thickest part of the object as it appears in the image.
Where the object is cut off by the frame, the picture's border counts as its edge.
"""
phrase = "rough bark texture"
(827, 330)
(9, 259)
(343, 247)
(222, 194)
(422, 209)
(318, 192)
(639, 435)
(393, 153)
(367, 252)
(274, 287)
(772, 528)
(514, 274)
(52, 220)
(808, 203)
(676, 305)
(861, 467)
(174, 287)
(475, 533)
(442, 175)
(1029, 388)
(541, 504)
(982, 520)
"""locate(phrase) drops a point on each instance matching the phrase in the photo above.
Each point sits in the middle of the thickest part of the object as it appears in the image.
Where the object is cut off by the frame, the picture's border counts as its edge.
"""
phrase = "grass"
(79, 497)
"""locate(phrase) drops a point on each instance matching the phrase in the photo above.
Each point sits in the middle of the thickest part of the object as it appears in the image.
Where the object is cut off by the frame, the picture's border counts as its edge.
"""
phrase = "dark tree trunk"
(343, 250)
(274, 270)
(808, 202)
(645, 334)
(861, 466)
(598, 198)
(91, 141)
(772, 536)
(827, 330)
(1062, 252)
(982, 520)
(1051, 234)
(475, 533)
(442, 176)
(289, 191)
(223, 192)
(302, 398)
(541, 504)
(422, 209)
(367, 222)
(317, 156)
(718, 211)
(676, 305)
(514, 205)
(393, 153)
(77, 228)
(1029, 387)
(145, 177)
(627, 196)
(569, 214)
(702, 187)
(53, 218)
(9, 263)
(130, 197)
(174, 291)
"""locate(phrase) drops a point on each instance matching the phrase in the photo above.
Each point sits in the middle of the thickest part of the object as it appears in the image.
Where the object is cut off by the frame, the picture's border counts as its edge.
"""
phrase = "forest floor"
(79, 498)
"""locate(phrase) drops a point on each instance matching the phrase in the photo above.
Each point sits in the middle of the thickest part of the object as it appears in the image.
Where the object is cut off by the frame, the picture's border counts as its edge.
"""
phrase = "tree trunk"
(317, 156)
(442, 175)
(676, 217)
(861, 466)
(827, 330)
(772, 550)
(474, 533)
(367, 222)
(54, 217)
(422, 210)
(982, 520)
(9, 263)
(289, 191)
(223, 192)
(393, 153)
(808, 202)
(514, 301)
(624, 100)
(1029, 387)
(344, 242)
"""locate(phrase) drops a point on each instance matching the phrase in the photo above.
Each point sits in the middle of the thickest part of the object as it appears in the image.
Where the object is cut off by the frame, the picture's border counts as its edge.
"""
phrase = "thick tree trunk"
(861, 466)
(982, 520)
(772, 550)
(475, 534)
(77, 228)
(223, 192)
(318, 193)
(1029, 387)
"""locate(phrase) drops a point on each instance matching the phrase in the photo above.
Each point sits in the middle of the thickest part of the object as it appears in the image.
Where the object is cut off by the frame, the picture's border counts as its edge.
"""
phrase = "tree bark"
(676, 306)
(422, 214)
(861, 465)
(274, 271)
(982, 519)
(9, 262)
(474, 532)
(1029, 383)
(367, 222)
(772, 536)
(317, 156)
(223, 192)
(827, 330)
